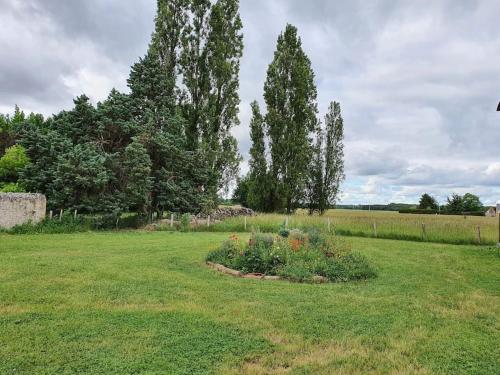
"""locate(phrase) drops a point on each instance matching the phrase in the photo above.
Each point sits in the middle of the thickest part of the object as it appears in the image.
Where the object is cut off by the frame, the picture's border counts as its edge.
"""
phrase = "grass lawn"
(144, 303)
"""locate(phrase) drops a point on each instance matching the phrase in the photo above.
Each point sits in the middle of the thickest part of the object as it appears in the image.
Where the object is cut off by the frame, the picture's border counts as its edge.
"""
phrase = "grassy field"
(145, 303)
(381, 224)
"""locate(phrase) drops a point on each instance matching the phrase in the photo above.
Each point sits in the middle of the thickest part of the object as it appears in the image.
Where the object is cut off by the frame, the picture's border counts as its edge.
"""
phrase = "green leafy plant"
(185, 222)
(300, 257)
(11, 187)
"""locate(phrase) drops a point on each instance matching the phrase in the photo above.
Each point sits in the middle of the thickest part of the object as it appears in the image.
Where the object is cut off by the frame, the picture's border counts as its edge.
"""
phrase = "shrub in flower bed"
(295, 255)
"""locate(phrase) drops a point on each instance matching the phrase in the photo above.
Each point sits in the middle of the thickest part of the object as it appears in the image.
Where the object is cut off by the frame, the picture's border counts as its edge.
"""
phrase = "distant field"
(381, 224)
(145, 303)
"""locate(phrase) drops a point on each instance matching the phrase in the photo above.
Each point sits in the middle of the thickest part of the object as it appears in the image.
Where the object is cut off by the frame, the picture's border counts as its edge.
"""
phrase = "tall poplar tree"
(290, 95)
(333, 174)
(315, 191)
(210, 66)
(258, 191)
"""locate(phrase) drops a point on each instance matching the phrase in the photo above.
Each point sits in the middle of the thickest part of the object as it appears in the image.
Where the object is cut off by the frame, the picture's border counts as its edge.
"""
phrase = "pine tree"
(179, 174)
(81, 179)
(290, 95)
(455, 203)
(8, 128)
(115, 124)
(258, 190)
(427, 202)
(152, 101)
(80, 124)
(43, 146)
(137, 181)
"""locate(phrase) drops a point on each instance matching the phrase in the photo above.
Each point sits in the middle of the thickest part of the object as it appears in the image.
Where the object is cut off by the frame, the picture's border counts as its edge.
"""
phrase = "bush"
(54, 226)
(14, 160)
(11, 187)
(442, 212)
(300, 256)
(185, 222)
(70, 224)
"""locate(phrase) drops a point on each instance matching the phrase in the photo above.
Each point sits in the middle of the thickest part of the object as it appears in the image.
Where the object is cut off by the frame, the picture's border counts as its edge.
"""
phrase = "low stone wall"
(222, 213)
(17, 208)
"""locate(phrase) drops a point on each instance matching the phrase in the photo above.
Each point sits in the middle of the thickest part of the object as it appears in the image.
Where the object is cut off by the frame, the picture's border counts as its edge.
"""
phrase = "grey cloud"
(418, 84)
(120, 28)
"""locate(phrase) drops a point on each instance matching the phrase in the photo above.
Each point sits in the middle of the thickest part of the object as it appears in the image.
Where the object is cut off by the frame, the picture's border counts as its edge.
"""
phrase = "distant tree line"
(165, 146)
(295, 160)
(456, 204)
(378, 207)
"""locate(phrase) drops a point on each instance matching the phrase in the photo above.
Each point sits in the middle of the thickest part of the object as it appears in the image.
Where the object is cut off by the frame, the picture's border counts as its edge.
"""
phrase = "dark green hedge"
(436, 212)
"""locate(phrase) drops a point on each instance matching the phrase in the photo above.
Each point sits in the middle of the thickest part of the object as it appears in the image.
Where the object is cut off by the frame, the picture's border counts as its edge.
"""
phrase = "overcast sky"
(418, 81)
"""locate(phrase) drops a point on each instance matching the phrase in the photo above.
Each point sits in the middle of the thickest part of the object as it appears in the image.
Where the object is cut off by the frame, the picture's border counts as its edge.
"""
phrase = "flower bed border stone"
(256, 276)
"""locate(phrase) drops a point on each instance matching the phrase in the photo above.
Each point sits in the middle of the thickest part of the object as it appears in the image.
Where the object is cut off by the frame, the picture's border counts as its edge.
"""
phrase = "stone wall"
(222, 213)
(16, 208)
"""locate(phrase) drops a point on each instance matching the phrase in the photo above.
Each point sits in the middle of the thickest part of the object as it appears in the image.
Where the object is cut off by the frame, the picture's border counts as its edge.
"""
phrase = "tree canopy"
(427, 202)
(294, 162)
(165, 146)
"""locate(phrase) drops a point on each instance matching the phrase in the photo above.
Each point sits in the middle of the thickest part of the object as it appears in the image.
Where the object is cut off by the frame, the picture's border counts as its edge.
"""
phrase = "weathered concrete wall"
(17, 208)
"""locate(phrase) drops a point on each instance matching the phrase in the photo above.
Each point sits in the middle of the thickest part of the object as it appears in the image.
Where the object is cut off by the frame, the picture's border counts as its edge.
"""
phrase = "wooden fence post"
(171, 220)
(208, 221)
(51, 213)
(76, 213)
(479, 234)
(375, 229)
(424, 232)
(245, 223)
(329, 225)
(286, 222)
(61, 214)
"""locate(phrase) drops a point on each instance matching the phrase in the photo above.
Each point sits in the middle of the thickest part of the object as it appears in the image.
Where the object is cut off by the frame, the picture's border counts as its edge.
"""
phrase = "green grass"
(390, 225)
(145, 303)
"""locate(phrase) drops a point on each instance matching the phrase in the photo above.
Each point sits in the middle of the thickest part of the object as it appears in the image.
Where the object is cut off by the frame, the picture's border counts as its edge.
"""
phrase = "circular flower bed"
(302, 256)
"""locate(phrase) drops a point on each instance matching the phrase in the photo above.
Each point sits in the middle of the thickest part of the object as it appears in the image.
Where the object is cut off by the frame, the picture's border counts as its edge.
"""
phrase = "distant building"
(492, 212)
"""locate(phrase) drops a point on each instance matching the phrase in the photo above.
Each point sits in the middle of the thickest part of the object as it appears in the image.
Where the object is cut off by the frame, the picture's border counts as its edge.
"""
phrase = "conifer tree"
(427, 202)
(162, 132)
(137, 180)
(290, 95)
(115, 124)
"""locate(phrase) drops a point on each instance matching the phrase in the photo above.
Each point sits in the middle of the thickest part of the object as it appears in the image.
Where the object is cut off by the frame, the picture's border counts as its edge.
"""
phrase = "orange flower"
(295, 244)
